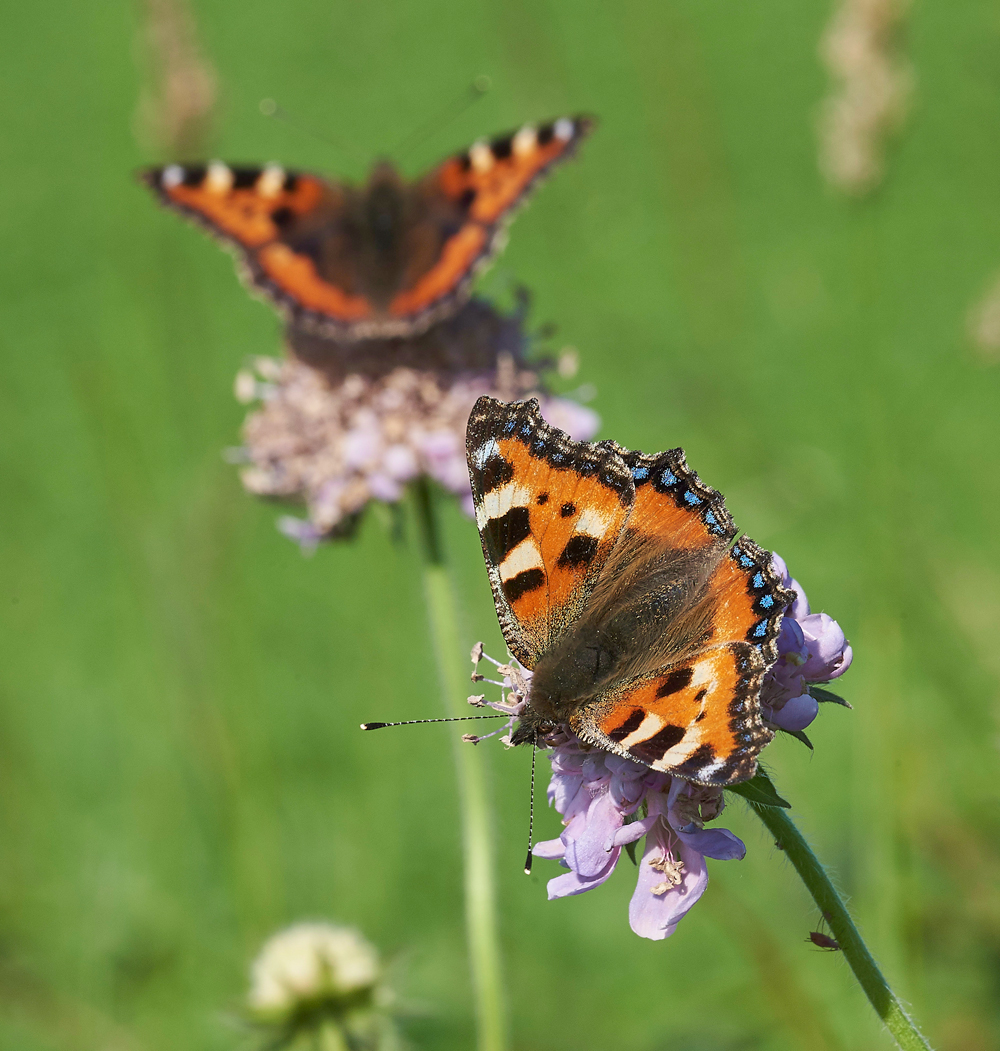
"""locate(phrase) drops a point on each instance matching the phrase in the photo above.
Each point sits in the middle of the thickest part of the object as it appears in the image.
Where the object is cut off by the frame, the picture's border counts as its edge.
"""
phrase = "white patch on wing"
(703, 672)
(527, 555)
(684, 748)
(525, 141)
(219, 178)
(564, 129)
(481, 157)
(592, 522)
(173, 175)
(649, 726)
(498, 502)
(484, 452)
(707, 771)
(271, 181)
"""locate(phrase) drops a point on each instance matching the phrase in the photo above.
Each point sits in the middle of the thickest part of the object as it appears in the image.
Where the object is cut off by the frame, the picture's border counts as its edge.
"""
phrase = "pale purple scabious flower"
(812, 649)
(607, 802)
(338, 427)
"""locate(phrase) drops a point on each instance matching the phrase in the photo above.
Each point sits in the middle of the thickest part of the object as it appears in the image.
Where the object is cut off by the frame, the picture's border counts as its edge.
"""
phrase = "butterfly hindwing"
(749, 599)
(549, 510)
(699, 720)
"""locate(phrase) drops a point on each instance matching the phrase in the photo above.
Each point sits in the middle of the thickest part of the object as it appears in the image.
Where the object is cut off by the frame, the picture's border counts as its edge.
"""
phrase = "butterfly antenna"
(531, 812)
(413, 722)
(270, 108)
(472, 93)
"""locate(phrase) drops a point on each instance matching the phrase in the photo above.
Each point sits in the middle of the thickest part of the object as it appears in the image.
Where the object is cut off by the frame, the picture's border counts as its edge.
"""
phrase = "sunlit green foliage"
(180, 767)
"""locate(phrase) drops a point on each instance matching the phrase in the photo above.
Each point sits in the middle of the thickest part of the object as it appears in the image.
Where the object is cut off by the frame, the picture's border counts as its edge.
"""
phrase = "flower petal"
(718, 843)
(797, 713)
(631, 832)
(570, 883)
(587, 853)
(654, 912)
(550, 849)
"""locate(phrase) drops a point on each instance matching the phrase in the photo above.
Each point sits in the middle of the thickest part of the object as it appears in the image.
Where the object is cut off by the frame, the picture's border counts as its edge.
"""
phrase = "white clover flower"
(312, 962)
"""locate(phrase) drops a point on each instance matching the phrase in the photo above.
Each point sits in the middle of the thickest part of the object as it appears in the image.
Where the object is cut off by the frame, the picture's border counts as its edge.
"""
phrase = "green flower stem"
(883, 999)
(330, 1037)
(480, 891)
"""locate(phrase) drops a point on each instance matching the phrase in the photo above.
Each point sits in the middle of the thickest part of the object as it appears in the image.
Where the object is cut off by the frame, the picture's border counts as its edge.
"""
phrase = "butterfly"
(620, 583)
(384, 260)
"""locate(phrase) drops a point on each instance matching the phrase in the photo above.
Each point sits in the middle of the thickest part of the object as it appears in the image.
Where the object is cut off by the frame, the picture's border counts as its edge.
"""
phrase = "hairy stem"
(480, 891)
(886, 1003)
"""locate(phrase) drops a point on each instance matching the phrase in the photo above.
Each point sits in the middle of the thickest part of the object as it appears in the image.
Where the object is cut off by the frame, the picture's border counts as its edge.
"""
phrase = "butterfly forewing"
(549, 510)
(246, 206)
(492, 178)
(672, 503)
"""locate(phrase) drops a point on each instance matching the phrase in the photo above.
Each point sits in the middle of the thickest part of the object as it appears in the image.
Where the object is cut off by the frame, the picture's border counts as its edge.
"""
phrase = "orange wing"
(672, 504)
(749, 599)
(248, 209)
(549, 511)
(244, 206)
(490, 179)
(699, 720)
(698, 715)
(484, 186)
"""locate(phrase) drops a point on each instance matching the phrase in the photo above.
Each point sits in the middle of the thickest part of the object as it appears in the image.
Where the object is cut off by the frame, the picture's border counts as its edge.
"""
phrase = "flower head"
(315, 975)
(812, 649)
(607, 803)
(337, 442)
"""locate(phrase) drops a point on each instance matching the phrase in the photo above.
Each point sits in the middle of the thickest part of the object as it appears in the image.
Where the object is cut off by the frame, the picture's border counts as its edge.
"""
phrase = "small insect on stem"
(823, 941)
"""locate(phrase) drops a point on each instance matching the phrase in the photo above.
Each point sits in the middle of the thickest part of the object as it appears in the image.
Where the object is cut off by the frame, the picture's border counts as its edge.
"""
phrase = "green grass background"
(180, 769)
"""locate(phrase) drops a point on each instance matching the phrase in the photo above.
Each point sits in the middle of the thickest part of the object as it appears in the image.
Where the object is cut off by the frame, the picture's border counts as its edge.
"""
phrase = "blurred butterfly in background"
(380, 261)
(618, 580)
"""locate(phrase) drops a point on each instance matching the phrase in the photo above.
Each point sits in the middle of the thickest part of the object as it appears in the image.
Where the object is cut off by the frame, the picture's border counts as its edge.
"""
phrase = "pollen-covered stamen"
(492, 682)
(515, 683)
(673, 873)
(473, 739)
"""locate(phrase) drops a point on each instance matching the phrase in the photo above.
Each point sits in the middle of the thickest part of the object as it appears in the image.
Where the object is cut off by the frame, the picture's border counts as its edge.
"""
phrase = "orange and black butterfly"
(617, 581)
(384, 260)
